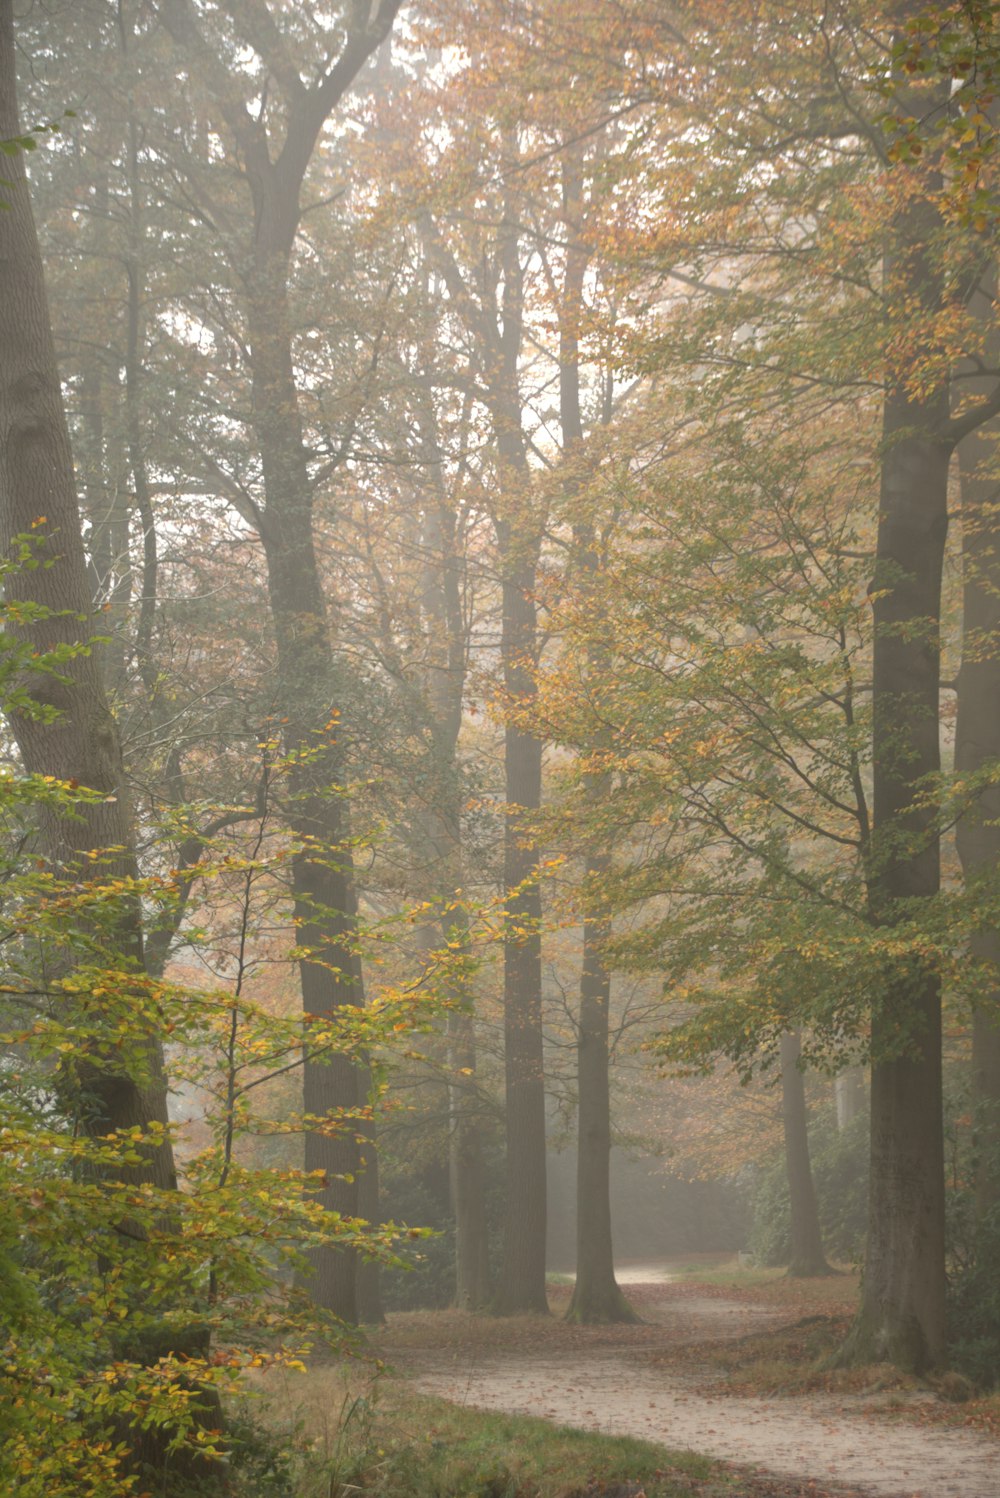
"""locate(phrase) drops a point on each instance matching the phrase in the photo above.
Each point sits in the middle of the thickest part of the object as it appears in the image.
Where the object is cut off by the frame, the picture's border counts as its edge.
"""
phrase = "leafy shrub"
(973, 1260)
(428, 1280)
(974, 1309)
(840, 1175)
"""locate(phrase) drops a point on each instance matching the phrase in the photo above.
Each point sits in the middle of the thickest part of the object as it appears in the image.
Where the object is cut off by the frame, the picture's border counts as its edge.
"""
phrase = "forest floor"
(726, 1363)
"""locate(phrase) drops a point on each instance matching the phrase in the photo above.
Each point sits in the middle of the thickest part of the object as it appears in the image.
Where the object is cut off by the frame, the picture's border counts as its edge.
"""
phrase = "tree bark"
(807, 1257)
(522, 1277)
(322, 868)
(38, 498)
(81, 743)
(597, 1296)
(498, 335)
(447, 654)
(902, 1316)
(519, 531)
(977, 744)
(323, 887)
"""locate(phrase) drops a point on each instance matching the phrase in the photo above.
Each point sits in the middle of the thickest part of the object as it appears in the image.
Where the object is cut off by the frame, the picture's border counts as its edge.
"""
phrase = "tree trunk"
(324, 910)
(977, 743)
(902, 1316)
(447, 650)
(849, 1095)
(322, 869)
(596, 1294)
(522, 1278)
(807, 1258)
(81, 743)
(498, 340)
(38, 497)
(519, 535)
(467, 1172)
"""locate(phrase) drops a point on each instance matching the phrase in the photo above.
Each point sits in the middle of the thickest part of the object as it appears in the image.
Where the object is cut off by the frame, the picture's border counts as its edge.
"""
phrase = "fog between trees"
(500, 677)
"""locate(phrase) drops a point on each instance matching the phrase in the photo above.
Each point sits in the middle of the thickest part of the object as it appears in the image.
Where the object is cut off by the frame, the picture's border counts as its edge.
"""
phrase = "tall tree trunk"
(902, 1314)
(498, 334)
(519, 535)
(977, 743)
(80, 744)
(522, 1277)
(447, 652)
(596, 1294)
(310, 693)
(807, 1257)
(38, 497)
(902, 1317)
(322, 869)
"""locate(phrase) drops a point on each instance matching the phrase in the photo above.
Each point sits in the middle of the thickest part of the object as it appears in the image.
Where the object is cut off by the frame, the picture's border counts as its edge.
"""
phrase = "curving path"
(813, 1438)
(829, 1439)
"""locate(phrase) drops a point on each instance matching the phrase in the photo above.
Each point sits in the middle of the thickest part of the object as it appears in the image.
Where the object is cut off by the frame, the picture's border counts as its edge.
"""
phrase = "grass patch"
(433, 1449)
(380, 1440)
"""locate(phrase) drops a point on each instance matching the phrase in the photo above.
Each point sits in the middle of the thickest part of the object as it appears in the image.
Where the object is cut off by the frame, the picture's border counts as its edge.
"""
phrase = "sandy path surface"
(616, 1385)
(824, 1439)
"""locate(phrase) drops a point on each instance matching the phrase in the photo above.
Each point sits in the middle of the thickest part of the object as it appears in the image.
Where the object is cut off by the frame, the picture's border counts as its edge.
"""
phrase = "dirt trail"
(815, 1438)
(615, 1386)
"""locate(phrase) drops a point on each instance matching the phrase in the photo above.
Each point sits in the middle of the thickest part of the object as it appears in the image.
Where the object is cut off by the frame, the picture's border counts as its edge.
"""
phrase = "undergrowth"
(386, 1442)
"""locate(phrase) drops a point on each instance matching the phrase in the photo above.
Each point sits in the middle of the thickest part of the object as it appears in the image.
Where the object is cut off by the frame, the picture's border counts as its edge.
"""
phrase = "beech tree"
(270, 153)
(69, 733)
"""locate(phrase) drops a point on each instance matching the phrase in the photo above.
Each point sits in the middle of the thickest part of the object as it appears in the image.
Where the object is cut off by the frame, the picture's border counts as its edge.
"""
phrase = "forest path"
(650, 1381)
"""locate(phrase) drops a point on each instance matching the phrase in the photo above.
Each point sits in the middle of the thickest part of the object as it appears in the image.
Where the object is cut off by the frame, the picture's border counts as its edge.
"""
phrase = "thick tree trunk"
(977, 743)
(38, 497)
(322, 869)
(902, 1316)
(323, 885)
(81, 743)
(596, 1294)
(519, 533)
(807, 1256)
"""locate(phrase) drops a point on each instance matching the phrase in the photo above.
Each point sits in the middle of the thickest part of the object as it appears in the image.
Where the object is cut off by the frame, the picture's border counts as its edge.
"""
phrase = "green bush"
(840, 1175)
(974, 1309)
(973, 1261)
(428, 1281)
